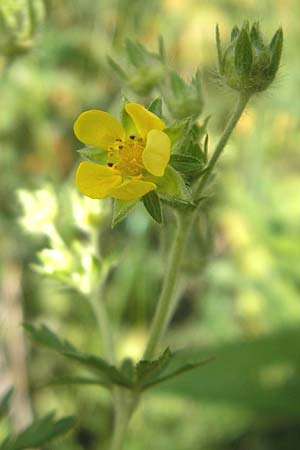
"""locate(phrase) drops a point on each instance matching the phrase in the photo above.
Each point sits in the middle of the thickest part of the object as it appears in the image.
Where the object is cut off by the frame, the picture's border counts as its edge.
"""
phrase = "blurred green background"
(240, 299)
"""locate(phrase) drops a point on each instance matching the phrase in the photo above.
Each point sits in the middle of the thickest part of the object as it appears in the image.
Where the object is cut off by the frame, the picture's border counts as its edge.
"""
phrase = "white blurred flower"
(39, 210)
(53, 261)
(87, 212)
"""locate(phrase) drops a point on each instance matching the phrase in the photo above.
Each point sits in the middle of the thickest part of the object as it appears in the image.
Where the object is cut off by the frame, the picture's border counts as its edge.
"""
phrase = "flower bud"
(248, 64)
(144, 70)
(185, 100)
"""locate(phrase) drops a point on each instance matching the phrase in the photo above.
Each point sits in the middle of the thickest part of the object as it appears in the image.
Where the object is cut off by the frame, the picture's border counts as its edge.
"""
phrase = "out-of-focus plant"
(19, 23)
(142, 159)
(40, 432)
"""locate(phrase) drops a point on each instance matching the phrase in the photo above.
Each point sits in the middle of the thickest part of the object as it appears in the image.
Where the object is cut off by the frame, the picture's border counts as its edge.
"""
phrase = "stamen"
(132, 136)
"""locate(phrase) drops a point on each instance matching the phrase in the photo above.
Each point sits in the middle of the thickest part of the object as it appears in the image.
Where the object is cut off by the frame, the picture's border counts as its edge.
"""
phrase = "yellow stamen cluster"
(126, 156)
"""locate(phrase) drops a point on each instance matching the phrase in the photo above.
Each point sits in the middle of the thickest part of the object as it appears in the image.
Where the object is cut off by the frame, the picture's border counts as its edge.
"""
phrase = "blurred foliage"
(242, 273)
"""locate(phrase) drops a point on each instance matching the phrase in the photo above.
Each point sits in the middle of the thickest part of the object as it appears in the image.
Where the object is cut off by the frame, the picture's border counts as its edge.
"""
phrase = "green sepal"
(276, 50)
(121, 209)
(178, 130)
(97, 155)
(127, 121)
(243, 54)
(172, 184)
(39, 433)
(5, 402)
(156, 107)
(256, 36)
(219, 50)
(186, 164)
(153, 206)
(234, 33)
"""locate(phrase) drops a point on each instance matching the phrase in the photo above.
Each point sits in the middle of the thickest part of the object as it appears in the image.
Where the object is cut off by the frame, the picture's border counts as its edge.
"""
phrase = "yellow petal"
(132, 189)
(156, 154)
(143, 119)
(95, 180)
(98, 128)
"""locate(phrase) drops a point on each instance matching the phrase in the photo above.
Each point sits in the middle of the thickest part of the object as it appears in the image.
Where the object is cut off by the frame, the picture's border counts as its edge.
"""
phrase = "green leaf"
(98, 155)
(121, 209)
(243, 54)
(178, 85)
(156, 107)
(136, 53)
(179, 371)
(127, 121)
(5, 402)
(186, 164)
(117, 68)
(153, 206)
(40, 432)
(66, 380)
(148, 371)
(108, 373)
(44, 336)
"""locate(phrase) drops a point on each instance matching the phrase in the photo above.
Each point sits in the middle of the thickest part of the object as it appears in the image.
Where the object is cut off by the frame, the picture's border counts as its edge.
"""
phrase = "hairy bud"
(248, 64)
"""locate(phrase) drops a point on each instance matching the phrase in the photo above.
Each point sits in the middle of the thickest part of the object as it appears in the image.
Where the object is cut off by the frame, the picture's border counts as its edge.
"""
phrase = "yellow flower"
(133, 159)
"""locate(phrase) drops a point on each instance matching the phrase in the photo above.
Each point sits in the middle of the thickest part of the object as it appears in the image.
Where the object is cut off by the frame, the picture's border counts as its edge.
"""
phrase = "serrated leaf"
(148, 371)
(44, 336)
(156, 107)
(153, 206)
(121, 209)
(186, 164)
(99, 365)
(40, 432)
(5, 402)
(243, 54)
(181, 370)
(97, 155)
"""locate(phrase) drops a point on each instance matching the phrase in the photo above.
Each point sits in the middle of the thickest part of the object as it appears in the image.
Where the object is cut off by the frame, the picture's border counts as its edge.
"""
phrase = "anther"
(131, 136)
(110, 164)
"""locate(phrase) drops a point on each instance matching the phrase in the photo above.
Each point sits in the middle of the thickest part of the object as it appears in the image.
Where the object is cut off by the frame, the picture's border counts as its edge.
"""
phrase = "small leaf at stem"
(153, 206)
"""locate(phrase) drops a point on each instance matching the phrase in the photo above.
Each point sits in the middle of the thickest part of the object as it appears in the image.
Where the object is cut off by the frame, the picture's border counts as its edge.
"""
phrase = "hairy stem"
(231, 124)
(162, 313)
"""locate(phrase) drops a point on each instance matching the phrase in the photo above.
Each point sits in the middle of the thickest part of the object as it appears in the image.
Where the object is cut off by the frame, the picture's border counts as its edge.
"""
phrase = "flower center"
(126, 156)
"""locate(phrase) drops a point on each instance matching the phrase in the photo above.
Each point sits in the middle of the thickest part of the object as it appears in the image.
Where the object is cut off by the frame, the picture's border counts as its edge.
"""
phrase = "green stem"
(164, 306)
(231, 124)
